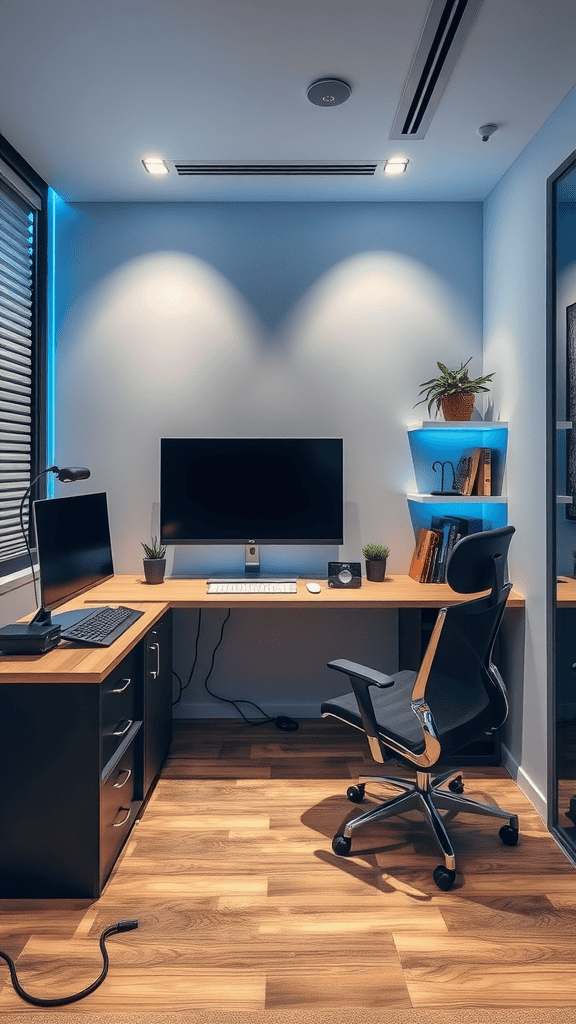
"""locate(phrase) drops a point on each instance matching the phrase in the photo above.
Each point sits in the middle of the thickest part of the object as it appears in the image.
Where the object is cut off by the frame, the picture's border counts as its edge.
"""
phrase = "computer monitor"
(251, 491)
(74, 549)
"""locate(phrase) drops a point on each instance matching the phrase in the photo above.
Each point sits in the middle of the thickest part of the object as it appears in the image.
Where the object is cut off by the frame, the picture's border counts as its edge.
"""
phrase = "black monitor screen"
(74, 550)
(259, 490)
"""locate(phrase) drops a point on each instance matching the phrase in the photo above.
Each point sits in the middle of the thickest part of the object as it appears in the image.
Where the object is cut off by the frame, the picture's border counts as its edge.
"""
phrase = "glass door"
(562, 502)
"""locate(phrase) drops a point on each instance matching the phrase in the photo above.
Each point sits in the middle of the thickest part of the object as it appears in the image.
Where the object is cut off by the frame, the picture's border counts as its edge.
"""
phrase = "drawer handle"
(118, 785)
(122, 727)
(120, 689)
(116, 824)
(156, 672)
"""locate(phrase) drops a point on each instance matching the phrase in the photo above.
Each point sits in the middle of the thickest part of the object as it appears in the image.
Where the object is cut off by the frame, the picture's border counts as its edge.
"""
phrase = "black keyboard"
(102, 627)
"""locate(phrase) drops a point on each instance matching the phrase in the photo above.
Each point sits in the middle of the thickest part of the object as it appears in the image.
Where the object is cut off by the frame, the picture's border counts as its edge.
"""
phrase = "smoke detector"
(328, 92)
(486, 130)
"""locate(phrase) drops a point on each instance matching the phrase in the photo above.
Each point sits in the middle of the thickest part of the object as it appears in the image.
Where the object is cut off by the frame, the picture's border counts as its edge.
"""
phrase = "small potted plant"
(453, 392)
(154, 562)
(375, 555)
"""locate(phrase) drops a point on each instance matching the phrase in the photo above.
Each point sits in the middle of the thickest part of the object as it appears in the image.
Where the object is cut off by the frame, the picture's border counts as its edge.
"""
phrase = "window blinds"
(17, 264)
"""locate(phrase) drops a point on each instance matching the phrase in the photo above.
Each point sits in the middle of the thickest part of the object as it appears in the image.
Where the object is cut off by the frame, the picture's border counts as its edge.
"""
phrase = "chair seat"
(392, 709)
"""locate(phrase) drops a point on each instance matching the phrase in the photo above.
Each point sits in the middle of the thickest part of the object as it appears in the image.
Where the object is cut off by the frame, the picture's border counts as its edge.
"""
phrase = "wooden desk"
(395, 592)
(84, 731)
(566, 592)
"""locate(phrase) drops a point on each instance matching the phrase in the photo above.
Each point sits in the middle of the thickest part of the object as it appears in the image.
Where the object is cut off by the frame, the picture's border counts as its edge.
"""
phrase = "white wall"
(262, 319)
(515, 346)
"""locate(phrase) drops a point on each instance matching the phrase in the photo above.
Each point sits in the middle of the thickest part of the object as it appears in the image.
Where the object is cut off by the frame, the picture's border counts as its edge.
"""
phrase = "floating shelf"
(452, 499)
(458, 424)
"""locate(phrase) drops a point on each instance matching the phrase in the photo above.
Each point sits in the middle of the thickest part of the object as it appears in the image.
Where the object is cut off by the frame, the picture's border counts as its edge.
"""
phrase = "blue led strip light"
(51, 342)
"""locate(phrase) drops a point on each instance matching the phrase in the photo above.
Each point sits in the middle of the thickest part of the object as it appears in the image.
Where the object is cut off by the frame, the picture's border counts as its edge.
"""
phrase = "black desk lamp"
(67, 475)
(38, 635)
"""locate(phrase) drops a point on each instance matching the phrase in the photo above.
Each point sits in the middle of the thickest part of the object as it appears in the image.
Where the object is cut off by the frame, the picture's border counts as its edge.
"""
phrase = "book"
(448, 531)
(466, 471)
(466, 524)
(426, 542)
(483, 481)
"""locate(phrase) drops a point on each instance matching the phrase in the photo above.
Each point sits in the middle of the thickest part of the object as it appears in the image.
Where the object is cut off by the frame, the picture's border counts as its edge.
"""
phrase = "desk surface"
(394, 592)
(566, 592)
(69, 664)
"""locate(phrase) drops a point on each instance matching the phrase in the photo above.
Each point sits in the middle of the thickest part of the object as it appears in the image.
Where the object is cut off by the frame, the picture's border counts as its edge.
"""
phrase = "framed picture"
(571, 409)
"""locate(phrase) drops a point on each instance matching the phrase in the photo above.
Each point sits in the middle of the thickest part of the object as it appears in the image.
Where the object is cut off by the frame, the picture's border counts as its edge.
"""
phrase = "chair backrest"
(464, 690)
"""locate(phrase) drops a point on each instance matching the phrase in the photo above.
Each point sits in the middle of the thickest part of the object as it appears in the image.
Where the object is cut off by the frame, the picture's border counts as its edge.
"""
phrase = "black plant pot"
(376, 569)
(154, 569)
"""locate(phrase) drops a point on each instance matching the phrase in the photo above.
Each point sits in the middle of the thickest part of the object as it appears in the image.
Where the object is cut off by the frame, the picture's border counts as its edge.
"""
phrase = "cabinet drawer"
(118, 806)
(118, 705)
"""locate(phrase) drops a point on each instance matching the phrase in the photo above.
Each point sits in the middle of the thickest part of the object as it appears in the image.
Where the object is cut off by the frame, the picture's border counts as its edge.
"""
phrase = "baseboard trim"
(525, 783)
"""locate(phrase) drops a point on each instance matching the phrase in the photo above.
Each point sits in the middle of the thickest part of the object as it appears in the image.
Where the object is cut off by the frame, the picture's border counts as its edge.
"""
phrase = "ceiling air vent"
(441, 43)
(275, 169)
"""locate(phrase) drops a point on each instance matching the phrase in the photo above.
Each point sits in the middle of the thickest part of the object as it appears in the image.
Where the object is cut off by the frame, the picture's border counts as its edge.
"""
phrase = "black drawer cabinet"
(158, 698)
(77, 760)
(119, 802)
(120, 704)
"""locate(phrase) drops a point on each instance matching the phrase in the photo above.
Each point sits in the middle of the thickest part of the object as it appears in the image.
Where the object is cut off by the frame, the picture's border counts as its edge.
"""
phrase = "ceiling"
(91, 88)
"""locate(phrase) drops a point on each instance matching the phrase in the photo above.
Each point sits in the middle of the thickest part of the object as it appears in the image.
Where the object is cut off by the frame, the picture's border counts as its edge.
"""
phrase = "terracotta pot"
(376, 570)
(154, 569)
(458, 407)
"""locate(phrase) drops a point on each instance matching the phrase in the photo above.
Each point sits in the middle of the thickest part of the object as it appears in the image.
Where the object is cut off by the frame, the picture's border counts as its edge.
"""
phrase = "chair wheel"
(456, 786)
(509, 835)
(444, 878)
(356, 793)
(341, 845)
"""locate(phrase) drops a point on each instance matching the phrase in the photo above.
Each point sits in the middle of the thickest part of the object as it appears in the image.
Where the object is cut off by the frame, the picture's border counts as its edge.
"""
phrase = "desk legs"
(414, 628)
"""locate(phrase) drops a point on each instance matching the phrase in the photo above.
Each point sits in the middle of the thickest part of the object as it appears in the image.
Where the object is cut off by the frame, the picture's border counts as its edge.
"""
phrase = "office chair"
(456, 697)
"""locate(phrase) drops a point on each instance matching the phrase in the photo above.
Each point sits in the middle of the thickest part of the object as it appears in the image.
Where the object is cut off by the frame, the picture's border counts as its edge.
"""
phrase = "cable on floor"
(121, 926)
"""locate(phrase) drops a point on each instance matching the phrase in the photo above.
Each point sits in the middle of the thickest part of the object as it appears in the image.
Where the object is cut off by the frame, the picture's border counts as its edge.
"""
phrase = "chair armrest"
(361, 678)
(368, 675)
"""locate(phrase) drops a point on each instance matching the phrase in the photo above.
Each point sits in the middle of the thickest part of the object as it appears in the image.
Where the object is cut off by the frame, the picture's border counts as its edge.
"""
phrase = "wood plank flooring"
(243, 906)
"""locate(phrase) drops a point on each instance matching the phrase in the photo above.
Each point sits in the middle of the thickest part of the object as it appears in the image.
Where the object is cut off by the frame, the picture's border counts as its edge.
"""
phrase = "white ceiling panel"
(89, 89)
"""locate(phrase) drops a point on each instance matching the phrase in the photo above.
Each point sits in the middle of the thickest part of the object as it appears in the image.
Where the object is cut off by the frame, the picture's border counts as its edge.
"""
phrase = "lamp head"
(71, 473)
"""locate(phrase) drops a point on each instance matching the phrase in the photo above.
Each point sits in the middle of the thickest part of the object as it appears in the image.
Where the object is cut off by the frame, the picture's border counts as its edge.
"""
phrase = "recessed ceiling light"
(154, 165)
(396, 165)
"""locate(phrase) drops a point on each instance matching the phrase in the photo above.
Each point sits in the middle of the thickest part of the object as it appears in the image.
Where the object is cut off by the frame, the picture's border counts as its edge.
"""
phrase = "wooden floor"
(243, 906)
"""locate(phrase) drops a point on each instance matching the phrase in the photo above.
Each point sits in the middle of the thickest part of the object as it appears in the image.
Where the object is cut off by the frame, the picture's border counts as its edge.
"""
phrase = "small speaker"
(345, 574)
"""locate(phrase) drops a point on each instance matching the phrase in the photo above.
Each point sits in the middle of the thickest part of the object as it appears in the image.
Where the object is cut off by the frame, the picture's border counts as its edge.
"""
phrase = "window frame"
(39, 342)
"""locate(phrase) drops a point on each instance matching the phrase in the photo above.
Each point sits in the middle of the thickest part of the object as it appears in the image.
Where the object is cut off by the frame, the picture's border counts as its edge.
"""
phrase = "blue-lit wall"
(263, 319)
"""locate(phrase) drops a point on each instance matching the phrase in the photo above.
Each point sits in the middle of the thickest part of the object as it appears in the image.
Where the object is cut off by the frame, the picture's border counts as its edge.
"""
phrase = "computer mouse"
(314, 588)
(288, 724)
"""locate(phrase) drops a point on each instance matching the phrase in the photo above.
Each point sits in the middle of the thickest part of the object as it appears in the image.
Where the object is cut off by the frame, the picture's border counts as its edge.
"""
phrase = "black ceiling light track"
(275, 169)
(443, 37)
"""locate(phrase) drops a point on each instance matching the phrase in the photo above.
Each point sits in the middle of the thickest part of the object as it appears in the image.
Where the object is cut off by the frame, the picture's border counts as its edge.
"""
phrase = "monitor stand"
(65, 620)
(252, 571)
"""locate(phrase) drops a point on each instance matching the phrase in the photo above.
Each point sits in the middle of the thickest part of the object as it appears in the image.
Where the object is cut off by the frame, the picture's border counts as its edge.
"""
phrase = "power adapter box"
(28, 638)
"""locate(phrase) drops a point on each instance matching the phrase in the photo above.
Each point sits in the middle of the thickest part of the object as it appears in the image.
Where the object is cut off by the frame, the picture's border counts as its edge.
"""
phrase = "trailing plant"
(451, 382)
(375, 552)
(155, 549)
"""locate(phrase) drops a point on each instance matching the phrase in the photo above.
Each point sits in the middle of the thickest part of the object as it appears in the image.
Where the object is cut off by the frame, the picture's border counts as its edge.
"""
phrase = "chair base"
(426, 795)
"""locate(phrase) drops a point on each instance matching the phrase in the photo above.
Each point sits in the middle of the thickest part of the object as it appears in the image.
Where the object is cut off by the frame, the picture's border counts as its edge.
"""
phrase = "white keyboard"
(252, 588)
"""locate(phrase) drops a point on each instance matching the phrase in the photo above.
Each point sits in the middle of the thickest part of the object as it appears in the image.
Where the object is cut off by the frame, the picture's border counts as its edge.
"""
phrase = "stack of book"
(474, 472)
(434, 546)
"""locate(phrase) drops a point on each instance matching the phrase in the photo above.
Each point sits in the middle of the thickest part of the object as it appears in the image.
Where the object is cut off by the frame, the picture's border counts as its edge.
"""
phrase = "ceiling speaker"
(328, 92)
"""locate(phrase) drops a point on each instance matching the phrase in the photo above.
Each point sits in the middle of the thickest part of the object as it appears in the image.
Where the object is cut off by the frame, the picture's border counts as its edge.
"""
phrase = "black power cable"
(184, 686)
(281, 721)
(121, 926)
